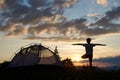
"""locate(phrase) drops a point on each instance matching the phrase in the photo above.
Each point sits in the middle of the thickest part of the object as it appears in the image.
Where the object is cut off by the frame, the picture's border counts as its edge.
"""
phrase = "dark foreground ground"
(57, 73)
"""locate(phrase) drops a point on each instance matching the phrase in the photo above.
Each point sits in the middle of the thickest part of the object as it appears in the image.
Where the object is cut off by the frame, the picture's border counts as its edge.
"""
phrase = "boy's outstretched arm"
(78, 44)
(101, 44)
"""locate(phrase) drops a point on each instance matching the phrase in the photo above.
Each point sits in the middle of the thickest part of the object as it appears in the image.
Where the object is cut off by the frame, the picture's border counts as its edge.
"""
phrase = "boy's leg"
(90, 60)
(84, 56)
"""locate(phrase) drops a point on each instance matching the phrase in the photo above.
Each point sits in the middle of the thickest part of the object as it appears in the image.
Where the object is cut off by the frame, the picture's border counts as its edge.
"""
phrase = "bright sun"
(76, 58)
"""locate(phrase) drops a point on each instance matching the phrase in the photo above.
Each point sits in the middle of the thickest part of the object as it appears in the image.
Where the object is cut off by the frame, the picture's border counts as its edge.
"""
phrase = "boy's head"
(88, 40)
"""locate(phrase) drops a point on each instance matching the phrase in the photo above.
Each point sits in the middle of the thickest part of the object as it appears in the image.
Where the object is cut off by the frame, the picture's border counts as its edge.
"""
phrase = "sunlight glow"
(76, 58)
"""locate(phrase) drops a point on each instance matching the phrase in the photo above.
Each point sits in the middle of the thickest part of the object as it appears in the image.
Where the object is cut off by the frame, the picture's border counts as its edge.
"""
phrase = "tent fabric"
(34, 55)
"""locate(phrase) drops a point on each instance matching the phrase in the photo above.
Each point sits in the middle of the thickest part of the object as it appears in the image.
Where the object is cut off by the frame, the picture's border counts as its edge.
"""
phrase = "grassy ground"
(58, 73)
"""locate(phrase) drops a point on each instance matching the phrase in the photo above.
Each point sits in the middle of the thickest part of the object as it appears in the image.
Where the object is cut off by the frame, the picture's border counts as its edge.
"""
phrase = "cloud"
(64, 31)
(27, 11)
(92, 15)
(105, 25)
(112, 60)
(43, 19)
(42, 14)
(106, 61)
(109, 15)
(114, 28)
(54, 38)
(102, 2)
(64, 3)
(13, 30)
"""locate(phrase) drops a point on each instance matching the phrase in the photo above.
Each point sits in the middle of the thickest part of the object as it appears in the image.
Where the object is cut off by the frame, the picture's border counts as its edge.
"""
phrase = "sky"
(60, 23)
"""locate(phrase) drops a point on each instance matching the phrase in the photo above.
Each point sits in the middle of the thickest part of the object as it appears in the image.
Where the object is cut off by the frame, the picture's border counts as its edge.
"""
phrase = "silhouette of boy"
(89, 50)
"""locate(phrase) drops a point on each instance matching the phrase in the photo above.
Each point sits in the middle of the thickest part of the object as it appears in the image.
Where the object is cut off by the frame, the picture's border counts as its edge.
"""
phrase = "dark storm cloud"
(33, 12)
(43, 11)
(109, 15)
(26, 14)
(27, 11)
(112, 28)
(38, 3)
(45, 17)
(105, 25)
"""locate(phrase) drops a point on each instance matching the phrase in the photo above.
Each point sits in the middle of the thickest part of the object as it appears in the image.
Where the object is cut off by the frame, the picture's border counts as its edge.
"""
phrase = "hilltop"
(57, 73)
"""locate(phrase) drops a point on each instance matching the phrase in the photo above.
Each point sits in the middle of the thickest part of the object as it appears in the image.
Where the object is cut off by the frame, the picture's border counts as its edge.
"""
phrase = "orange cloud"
(102, 2)
(92, 15)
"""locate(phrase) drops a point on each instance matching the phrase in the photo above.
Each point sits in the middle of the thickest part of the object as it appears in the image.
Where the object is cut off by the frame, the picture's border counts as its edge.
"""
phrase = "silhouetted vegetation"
(4, 64)
(68, 63)
(52, 72)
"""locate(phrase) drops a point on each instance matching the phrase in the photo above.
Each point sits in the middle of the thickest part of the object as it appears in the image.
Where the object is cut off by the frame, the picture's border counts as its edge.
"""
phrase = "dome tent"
(33, 55)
